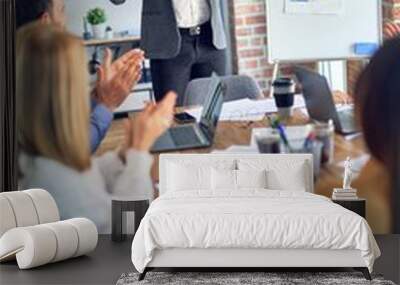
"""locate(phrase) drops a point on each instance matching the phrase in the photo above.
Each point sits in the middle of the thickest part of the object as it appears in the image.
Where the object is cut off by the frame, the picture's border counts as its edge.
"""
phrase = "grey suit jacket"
(160, 37)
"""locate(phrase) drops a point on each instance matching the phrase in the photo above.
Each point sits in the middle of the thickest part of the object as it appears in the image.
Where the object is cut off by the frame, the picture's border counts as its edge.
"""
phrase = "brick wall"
(391, 10)
(248, 32)
(249, 40)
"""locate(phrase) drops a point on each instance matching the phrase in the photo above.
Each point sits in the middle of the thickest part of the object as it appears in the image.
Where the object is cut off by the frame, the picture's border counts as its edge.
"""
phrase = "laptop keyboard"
(184, 136)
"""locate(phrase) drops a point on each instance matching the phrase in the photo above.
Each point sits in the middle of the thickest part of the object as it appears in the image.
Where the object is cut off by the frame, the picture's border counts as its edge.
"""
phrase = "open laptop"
(320, 104)
(196, 135)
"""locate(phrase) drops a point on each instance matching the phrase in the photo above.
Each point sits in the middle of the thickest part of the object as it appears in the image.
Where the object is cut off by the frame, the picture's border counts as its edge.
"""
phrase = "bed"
(247, 211)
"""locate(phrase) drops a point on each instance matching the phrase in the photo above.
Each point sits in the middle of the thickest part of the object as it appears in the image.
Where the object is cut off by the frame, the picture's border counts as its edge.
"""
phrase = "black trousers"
(197, 58)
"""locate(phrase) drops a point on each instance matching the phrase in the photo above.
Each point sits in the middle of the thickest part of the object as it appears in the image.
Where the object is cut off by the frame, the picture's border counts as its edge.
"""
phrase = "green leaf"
(96, 16)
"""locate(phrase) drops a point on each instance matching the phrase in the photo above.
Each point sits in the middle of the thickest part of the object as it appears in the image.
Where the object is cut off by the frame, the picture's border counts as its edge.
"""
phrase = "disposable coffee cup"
(284, 91)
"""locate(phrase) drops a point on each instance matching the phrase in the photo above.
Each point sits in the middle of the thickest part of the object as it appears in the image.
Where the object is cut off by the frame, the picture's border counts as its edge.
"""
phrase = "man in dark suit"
(184, 39)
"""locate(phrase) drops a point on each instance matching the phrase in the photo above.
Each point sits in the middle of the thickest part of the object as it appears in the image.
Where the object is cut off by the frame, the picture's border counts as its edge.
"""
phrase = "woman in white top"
(53, 120)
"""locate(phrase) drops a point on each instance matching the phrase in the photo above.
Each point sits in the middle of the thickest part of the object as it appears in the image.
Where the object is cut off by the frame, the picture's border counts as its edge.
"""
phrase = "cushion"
(7, 220)
(185, 178)
(41, 244)
(278, 180)
(184, 175)
(282, 174)
(251, 179)
(23, 208)
(27, 208)
(223, 179)
(45, 205)
(231, 180)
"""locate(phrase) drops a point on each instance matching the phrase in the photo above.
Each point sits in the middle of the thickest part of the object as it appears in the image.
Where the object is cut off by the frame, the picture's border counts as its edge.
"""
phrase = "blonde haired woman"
(53, 120)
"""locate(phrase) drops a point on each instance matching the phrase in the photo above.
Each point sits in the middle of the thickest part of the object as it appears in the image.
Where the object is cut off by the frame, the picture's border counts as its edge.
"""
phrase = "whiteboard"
(124, 17)
(303, 37)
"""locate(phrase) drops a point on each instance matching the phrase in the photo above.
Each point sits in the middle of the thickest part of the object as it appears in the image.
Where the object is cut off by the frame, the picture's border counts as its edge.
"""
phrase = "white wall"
(336, 74)
(122, 17)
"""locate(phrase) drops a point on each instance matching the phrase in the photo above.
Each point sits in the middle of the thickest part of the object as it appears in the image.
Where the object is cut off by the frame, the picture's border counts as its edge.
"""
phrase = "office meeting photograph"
(215, 142)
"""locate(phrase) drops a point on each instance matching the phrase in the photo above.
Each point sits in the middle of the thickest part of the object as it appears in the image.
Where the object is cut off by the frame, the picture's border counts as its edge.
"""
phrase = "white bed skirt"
(177, 257)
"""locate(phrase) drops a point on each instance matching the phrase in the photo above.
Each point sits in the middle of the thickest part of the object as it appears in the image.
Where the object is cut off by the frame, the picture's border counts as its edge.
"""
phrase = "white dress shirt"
(191, 13)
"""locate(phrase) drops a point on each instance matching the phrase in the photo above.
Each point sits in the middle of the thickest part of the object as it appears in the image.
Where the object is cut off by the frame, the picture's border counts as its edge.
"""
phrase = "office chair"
(237, 87)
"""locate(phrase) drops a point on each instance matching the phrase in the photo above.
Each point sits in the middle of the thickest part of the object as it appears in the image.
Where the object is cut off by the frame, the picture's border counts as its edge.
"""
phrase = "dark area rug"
(269, 278)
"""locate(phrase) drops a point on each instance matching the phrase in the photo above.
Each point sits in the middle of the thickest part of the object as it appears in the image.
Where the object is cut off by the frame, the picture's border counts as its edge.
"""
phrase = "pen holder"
(314, 148)
(268, 143)
(325, 133)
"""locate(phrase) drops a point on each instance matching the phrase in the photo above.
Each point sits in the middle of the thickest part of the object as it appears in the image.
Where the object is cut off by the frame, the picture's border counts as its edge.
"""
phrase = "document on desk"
(247, 109)
(314, 7)
(134, 102)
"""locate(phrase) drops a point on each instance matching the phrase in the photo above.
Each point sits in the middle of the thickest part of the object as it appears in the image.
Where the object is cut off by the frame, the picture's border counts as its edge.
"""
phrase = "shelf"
(117, 40)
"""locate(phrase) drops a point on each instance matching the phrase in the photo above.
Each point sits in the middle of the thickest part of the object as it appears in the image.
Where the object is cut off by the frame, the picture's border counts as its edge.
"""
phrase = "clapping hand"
(150, 124)
(115, 80)
(391, 30)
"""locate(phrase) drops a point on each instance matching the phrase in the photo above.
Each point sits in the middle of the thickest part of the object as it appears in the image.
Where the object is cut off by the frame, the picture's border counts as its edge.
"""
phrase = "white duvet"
(250, 219)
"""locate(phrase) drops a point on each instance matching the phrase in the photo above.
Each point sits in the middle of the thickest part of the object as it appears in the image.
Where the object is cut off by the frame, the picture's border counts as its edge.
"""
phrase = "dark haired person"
(49, 11)
(374, 182)
(112, 88)
(377, 102)
(184, 39)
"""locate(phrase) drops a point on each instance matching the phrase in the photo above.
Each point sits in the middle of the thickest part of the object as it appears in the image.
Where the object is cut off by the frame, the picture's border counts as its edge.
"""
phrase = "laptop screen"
(318, 96)
(213, 107)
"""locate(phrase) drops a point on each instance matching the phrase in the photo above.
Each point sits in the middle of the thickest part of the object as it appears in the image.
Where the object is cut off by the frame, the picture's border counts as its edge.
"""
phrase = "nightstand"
(139, 207)
(357, 206)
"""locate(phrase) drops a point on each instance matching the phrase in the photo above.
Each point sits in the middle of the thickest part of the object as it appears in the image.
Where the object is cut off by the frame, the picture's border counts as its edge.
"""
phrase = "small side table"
(357, 206)
(118, 208)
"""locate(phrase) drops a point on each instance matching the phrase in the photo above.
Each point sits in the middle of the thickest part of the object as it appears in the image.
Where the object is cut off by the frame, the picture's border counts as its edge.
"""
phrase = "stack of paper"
(136, 101)
(247, 109)
(344, 194)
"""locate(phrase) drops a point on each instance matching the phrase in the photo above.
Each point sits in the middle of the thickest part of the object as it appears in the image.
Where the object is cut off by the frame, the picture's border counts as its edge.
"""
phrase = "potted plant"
(97, 18)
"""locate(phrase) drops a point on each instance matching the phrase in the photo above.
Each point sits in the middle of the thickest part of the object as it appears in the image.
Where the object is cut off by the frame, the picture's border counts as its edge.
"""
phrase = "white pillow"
(223, 179)
(282, 174)
(278, 180)
(231, 180)
(254, 179)
(186, 178)
(187, 175)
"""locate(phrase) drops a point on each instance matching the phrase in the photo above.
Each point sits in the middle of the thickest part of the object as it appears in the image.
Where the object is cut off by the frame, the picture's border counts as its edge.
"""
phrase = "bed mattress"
(251, 219)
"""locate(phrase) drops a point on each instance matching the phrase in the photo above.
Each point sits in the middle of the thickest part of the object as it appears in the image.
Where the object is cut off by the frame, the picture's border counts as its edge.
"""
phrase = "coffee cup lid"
(283, 82)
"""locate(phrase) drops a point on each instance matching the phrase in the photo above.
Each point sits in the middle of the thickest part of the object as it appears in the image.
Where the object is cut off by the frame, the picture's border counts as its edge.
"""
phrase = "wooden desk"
(239, 133)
